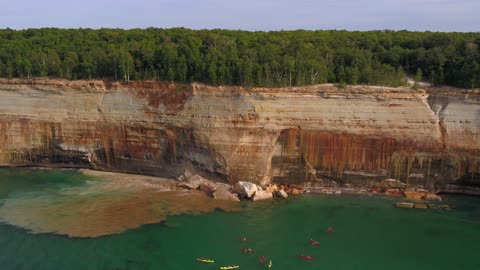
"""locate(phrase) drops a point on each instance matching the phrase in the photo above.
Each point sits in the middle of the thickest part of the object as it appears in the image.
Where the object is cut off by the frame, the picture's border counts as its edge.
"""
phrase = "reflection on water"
(102, 206)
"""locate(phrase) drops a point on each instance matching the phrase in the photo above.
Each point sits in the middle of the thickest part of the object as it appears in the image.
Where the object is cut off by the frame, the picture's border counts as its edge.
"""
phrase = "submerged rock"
(262, 195)
(421, 206)
(404, 205)
(245, 189)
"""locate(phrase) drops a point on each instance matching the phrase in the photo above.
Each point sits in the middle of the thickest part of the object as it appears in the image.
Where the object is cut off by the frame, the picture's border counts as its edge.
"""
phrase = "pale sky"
(433, 15)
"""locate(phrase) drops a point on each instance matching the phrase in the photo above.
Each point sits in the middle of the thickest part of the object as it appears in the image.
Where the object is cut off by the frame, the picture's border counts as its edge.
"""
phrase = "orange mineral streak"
(337, 153)
(240, 133)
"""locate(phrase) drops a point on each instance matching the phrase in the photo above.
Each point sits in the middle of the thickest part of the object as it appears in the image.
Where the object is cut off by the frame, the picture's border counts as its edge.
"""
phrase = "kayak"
(315, 243)
(330, 229)
(248, 250)
(270, 264)
(205, 260)
(308, 258)
(229, 267)
(244, 239)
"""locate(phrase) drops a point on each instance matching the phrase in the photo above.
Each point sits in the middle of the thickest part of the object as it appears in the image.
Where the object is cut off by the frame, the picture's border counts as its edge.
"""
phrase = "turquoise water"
(370, 234)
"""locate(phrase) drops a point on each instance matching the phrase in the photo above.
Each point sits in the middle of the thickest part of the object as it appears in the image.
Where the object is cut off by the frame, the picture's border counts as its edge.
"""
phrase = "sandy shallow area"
(106, 203)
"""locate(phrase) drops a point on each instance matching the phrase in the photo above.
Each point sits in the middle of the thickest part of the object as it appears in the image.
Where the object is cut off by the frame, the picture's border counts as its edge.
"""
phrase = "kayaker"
(315, 243)
(270, 264)
(306, 257)
(262, 260)
(330, 229)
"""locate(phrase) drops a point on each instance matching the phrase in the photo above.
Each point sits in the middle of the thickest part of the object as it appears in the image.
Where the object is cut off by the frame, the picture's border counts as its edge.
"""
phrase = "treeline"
(242, 58)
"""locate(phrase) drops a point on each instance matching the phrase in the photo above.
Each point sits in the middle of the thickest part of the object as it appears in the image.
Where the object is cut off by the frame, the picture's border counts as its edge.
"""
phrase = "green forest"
(228, 57)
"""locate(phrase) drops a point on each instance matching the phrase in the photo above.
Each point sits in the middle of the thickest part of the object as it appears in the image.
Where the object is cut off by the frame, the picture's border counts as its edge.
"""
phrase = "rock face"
(257, 135)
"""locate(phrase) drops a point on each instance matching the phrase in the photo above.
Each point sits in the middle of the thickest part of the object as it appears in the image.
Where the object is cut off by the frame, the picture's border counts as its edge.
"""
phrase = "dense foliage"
(241, 57)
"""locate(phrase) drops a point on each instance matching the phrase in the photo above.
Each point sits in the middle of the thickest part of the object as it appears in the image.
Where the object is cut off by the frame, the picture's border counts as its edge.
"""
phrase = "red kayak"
(330, 229)
(248, 250)
(308, 258)
(313, 242)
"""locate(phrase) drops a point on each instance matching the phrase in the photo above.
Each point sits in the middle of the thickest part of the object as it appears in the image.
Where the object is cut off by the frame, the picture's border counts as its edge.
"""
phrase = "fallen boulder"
(414, 195)
(391, 183)
(282, 194)
(192, 182)
(222, 193)
(262, 195)
(433, 197)
(208, 187)
(394, 192)
(272, 188)
(245, 189)
(295, 191)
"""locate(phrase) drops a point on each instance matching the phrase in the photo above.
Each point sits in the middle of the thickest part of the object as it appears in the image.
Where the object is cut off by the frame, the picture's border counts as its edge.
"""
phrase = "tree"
(418, 78)
(243, 58)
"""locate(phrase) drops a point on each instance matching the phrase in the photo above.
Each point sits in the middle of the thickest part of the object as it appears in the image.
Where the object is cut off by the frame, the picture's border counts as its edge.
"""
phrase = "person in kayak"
(230, 267)
(315, 243)
(330, 229)
(248, 250)
(262, 260)
(306, 257)
(270, 264)
(244, 239)
(206, 260)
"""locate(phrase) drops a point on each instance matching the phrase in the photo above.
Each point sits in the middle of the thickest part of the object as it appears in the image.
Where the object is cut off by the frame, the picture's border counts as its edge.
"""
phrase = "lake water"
(370, 232)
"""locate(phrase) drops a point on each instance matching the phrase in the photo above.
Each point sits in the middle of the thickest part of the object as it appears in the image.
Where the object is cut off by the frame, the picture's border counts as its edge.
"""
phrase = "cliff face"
(256, 134)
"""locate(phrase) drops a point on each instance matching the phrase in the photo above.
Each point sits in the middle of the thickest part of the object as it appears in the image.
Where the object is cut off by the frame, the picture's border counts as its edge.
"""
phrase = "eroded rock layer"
(243, 134)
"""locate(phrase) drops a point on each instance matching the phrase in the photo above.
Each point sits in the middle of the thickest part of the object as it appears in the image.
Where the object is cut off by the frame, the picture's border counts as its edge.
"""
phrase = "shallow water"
(370, 234)
(79, 205)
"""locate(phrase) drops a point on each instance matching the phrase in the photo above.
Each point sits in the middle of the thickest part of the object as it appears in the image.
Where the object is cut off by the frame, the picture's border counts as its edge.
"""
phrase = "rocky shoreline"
(414, 197)
(247, 191)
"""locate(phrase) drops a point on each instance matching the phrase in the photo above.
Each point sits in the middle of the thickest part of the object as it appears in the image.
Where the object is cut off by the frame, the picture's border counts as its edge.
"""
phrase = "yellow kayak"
(229, 267)
(270, 264)
(205, 260)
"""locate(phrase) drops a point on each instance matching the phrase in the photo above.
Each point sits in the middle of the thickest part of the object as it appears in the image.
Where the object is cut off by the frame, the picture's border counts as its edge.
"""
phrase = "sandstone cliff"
(243, 134)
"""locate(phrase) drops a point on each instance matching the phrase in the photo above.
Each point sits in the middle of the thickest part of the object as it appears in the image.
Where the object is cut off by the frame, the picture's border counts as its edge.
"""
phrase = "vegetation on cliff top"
(280, 58)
